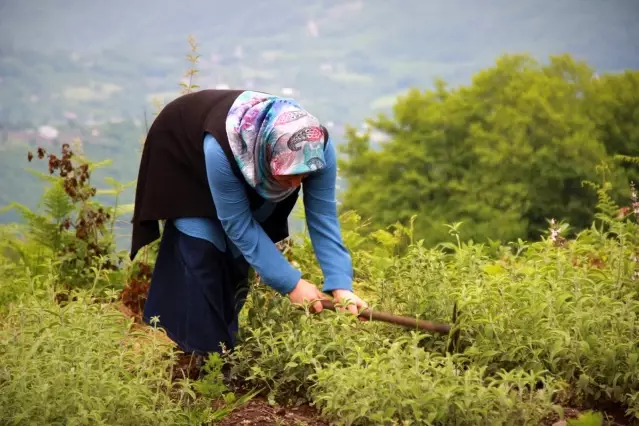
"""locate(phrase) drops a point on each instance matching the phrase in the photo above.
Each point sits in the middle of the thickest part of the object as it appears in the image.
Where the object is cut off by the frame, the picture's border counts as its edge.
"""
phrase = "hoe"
(396, 319)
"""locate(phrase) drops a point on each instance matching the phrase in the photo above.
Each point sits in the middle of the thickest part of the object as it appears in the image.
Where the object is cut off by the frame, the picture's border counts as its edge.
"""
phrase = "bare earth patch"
(259, 412)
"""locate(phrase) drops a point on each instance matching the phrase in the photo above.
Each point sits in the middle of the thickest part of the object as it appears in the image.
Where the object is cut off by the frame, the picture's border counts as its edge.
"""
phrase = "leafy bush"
(540, 325)
(407, 384)
(80, 363)
(502, 153)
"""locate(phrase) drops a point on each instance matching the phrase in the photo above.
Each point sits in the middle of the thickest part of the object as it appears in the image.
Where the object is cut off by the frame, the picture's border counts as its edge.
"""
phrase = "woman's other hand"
(350, 301)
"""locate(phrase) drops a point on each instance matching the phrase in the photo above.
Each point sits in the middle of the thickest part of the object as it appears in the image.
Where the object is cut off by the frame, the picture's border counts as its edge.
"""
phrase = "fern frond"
(56, 203)
(606, 207)
(38, 227)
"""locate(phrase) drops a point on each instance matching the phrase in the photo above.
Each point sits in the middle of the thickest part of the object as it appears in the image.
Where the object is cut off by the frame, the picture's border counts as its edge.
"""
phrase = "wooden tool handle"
(396, 319)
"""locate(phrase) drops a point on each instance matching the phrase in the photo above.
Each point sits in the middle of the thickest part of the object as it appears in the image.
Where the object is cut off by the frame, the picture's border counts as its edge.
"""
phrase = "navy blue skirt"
(197, 291)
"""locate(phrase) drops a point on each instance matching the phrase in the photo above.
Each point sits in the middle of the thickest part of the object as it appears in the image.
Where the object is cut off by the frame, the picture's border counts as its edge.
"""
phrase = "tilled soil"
(259, 412)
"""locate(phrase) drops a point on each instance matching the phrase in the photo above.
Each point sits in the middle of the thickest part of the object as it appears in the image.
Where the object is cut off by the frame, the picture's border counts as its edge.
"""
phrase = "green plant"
(407, 385)
(83, 363)
(587, 419)
(74, 228)
(541, 325)
(193, 58)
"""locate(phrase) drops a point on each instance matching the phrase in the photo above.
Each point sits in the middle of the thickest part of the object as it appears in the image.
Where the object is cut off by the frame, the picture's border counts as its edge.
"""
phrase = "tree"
(503, 155)
(614, 108)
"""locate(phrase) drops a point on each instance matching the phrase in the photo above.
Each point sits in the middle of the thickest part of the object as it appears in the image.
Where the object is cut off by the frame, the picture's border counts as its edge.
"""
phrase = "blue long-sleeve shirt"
(238, 228)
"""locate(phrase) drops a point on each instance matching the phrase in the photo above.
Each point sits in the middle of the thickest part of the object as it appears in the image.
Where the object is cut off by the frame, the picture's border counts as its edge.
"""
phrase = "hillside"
(343, 59)
(502, 212)
(95, 68)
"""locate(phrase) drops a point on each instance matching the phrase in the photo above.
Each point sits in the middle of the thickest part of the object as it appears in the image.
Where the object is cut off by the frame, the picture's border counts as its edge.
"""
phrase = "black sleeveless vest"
(172, 181)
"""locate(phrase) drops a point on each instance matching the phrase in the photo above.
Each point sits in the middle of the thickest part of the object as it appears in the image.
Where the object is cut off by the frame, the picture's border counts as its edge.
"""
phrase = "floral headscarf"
(273, 136)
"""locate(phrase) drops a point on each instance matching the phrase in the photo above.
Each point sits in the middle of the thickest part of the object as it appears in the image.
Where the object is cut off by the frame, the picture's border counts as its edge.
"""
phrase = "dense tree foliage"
(614, 108)
(503, 155)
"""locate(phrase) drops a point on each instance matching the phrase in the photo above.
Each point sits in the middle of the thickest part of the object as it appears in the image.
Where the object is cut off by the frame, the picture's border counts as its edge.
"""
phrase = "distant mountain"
(344, 58)
(412, 30)
(85, 66)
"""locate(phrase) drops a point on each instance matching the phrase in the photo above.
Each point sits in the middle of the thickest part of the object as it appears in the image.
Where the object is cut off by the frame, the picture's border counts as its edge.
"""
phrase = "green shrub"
(407, 384)
(559, 316)
(82, 363)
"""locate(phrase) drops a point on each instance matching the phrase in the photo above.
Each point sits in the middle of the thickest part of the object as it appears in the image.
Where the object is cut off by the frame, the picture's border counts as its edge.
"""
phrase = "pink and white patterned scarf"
(273, 136)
